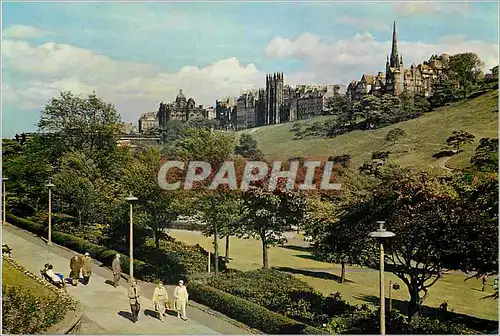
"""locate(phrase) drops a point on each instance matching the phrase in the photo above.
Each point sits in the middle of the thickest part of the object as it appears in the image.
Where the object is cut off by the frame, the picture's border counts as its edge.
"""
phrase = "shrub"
(282, 293)
(176, 260)
(365, 320)
(248, 312)
(24, 313)
(28, 312)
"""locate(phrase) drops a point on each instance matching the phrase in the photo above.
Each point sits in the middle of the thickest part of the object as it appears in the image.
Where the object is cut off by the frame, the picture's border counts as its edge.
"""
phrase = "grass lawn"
(425, 136)
(362, 286)
(12, 277)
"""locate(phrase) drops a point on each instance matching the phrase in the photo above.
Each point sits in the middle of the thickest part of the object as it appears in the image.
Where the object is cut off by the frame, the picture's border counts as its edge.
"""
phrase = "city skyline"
(139, 54)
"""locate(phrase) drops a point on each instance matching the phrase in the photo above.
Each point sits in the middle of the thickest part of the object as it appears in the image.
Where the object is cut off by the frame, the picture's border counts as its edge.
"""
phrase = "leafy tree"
(459, 138)
(173, 130)
(201, 145)
(394, 135)
(28, 174)
(84, 124)
(202, 123)
(248, 148)
(494, 72)
(323, 222)
(337, 104)
(466, 68)
(420, 209)
(343, 160)
(160, 207)
(220, 211)
(444, 91)
(486, 156)
(268, 214)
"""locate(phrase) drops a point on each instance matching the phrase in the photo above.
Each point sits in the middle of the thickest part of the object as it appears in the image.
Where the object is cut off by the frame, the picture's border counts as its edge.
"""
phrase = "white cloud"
(425, 8)
(363, 23)
(348, 59)
(23, 32)
(132, 86)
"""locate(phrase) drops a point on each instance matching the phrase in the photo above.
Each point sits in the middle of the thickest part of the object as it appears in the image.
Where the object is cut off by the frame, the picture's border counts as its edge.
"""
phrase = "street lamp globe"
(381, 233)
(50, 185)
(131, 198)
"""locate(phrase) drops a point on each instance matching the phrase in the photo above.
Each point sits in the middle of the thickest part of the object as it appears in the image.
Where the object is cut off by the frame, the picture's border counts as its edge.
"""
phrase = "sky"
(138, 54)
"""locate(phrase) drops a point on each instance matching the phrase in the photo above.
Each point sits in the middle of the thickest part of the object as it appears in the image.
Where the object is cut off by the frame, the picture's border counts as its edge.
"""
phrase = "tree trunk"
(157, 246)
(342, 272)
(157, 240)
(79, 218)
(265, 258)
(414, 303)
(216, 251)
(227, 248)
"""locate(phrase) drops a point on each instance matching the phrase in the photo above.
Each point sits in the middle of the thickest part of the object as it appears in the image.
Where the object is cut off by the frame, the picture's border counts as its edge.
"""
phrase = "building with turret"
(181, 109)
(417, 79)
(275, 101)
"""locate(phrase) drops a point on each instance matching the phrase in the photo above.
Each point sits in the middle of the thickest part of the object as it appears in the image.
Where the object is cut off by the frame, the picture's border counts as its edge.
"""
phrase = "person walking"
(116, 266)
(133, 296)
(160, 300)
(86, 268)
(484, 280)
(75, 265)
(181, 297)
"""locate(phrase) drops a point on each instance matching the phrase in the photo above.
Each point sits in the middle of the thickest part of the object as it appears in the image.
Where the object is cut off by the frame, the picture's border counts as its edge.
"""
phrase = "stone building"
(397, 79)
(181, 109)
(224, 112)
(148, 122)
(310, 105)
(275, 100)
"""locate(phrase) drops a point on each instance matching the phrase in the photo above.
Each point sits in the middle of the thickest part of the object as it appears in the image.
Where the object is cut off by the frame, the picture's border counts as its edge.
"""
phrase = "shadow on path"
(314, 274)
(126, 314)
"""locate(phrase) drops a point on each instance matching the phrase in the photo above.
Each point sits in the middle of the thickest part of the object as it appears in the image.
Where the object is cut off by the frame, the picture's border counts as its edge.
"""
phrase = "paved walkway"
(106, 308)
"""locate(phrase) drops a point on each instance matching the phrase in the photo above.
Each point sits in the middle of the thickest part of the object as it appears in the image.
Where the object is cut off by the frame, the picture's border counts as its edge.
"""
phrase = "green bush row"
(365, 320)
(247, 312)
(98, 252)
(290, 297)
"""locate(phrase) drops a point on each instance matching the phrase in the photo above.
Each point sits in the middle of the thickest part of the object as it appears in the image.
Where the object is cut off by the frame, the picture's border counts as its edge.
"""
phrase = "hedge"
(98, 252)
(247, 312)
(292, 297)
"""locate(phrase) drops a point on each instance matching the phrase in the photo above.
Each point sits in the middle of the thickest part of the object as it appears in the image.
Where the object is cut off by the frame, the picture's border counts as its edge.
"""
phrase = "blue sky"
(138, 54)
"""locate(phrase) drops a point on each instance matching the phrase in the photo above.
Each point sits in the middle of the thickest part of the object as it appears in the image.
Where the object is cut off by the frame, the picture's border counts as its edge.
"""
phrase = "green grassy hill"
(425, 136)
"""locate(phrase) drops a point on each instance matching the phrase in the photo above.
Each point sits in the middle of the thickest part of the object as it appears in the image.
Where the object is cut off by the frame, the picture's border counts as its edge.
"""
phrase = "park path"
(441, 162)
(106, 308)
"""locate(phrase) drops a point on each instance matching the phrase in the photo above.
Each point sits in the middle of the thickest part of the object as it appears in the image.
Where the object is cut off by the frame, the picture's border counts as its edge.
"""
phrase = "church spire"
(394, 50)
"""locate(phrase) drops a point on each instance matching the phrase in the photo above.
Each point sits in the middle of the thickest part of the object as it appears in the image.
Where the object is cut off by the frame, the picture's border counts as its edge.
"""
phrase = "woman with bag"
(160, 300)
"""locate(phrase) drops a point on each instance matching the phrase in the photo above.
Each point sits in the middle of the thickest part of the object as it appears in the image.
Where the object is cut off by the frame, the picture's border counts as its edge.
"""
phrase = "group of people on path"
(160, 295)
(78, 265)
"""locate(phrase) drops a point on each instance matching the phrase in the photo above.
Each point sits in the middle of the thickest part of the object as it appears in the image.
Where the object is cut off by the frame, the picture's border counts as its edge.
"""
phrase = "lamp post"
(131, 200)
(208, 249)
(50, 185)
(4, 202)
(381, 235)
